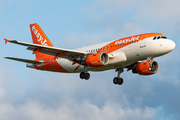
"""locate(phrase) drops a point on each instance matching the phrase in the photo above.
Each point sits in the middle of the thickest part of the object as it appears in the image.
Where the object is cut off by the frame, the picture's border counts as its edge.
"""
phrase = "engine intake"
(97, 60)
(144, 68)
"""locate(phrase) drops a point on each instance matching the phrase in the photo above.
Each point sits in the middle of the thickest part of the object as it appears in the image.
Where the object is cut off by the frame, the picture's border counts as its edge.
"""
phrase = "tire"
(82, 75)
(120, 81)
(87, 76)
(115, 80)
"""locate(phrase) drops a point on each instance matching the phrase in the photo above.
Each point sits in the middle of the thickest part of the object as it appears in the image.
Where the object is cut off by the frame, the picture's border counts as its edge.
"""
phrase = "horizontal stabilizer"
(25, 60)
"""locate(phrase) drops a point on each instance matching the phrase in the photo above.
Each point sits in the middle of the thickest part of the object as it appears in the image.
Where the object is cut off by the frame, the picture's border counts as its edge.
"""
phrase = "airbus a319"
(136, 53)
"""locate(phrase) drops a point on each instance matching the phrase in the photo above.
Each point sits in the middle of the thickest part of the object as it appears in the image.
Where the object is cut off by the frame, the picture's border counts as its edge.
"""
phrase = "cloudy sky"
(27, 94)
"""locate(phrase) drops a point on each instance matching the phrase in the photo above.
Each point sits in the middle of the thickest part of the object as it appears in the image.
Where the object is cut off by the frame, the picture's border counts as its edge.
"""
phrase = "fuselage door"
(106, 49)
(143, 41)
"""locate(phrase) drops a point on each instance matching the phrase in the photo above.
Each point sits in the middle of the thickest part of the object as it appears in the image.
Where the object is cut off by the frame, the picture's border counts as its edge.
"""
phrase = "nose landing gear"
(150, 59)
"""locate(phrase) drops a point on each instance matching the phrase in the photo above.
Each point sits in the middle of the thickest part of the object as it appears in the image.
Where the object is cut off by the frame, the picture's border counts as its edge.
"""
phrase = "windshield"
(159, 37)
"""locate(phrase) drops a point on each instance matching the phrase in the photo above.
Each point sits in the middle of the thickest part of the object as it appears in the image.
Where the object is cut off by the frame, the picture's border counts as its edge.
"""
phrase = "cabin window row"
(94, 50)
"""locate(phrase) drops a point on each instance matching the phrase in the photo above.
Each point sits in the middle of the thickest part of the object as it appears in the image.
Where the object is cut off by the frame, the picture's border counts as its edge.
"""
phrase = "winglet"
(6, 40)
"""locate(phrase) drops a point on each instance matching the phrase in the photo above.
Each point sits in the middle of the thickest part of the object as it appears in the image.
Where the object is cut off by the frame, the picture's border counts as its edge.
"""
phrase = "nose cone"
(163, 46)
(171, 45)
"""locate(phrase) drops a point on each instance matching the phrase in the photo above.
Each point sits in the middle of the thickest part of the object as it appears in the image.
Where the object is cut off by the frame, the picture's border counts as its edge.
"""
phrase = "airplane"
(136, 53)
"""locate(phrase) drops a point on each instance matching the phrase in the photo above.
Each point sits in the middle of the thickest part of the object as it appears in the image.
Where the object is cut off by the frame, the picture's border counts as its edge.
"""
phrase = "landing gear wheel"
(115, 80)
(118, 80)
(87, 76)
(84, 75)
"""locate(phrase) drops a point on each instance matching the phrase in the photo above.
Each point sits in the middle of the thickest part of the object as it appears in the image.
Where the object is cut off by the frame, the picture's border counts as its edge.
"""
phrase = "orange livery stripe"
(120, 43)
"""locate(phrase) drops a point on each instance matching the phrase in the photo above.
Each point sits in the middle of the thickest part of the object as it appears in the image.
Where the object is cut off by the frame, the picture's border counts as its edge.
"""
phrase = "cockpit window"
(158, 37)
(164, 37)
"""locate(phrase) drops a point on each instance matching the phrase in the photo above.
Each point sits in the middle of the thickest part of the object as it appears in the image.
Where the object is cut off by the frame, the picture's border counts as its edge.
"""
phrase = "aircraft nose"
(171, 45)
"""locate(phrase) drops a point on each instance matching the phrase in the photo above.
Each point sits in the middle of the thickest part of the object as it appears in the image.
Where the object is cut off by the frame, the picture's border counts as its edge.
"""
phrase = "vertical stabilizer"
(39, 37)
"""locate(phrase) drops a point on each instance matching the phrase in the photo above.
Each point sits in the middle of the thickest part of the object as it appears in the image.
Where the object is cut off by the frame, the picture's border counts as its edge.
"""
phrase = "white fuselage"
(125, 56)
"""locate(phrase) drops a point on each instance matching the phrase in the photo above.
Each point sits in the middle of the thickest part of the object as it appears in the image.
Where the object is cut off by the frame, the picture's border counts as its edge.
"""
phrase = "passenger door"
(143, 41)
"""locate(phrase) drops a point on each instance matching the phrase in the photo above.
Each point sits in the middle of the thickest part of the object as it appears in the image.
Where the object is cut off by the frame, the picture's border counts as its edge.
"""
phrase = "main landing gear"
(118, 80)
(85, 75)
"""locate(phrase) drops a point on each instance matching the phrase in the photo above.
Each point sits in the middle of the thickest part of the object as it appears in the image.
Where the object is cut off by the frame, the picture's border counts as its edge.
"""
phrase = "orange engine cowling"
(143, 68)
(97, 60)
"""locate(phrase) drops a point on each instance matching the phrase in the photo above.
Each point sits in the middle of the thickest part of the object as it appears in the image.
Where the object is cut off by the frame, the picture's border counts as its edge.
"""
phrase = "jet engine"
(97, 60)
(145, 69)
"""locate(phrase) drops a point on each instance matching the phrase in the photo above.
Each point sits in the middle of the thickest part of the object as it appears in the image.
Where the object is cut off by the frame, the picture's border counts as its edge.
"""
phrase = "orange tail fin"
(39, 37)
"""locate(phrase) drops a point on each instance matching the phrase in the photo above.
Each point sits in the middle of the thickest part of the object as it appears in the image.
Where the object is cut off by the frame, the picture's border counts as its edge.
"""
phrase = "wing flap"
(25, 60)
(52, 50)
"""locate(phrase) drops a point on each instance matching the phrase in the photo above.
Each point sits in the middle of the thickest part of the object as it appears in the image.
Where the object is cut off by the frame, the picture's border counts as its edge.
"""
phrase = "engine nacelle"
(97, 60)
(143, 68)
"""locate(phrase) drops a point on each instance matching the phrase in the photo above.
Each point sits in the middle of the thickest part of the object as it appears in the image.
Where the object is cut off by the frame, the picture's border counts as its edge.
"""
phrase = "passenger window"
(154, 38)
(120, 44)
(125, 43)
(111, 47)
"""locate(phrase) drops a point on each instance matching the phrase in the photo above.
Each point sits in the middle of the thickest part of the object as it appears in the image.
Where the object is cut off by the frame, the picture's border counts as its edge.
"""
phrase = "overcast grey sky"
(27, 94)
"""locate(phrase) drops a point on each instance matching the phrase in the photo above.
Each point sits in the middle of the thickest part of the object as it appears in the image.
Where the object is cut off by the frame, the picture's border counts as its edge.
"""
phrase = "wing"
(25, 60)
(54, 51)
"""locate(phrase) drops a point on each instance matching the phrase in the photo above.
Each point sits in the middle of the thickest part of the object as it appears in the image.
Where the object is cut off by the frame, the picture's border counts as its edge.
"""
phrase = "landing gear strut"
(118, 79)
(150, 59)
(85, 75)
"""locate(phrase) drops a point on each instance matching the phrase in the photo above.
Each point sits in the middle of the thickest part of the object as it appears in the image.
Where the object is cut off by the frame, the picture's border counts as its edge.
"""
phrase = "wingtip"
(6, 40)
